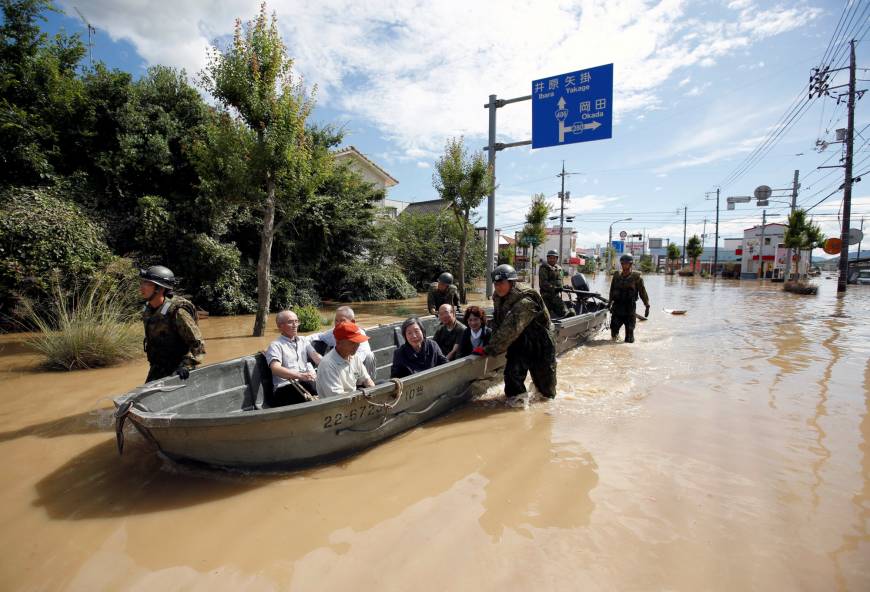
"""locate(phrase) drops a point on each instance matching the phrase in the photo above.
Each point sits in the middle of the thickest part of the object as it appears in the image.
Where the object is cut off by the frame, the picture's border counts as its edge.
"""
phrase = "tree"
(534, 232)
(428, 243)
(506, 254)
(801, 235)
(646, 264)
(673, 254)
(694, 250)
(253, 77)
(462, 182)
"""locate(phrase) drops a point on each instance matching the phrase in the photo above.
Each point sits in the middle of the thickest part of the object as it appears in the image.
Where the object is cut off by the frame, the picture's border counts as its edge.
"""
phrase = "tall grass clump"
(89, 327)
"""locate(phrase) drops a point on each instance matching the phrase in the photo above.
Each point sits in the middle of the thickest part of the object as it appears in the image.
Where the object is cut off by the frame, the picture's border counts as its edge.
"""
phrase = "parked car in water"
(863, 277)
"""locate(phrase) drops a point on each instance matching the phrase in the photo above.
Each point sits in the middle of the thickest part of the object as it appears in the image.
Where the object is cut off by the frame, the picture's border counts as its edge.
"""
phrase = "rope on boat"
(400, 389)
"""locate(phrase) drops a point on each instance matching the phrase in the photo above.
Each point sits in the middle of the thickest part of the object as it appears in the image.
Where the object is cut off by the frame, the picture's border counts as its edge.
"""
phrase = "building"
(374, 174)
(763, 253)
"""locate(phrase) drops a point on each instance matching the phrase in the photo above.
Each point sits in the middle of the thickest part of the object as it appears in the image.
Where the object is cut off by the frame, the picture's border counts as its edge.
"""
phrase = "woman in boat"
(476, 332)
(417, 353)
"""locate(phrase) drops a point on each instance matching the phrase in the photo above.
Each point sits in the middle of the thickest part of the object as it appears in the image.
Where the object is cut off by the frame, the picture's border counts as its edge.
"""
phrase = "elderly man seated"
(340, 371)
(417, 353)
(293, 375)
(345, 313)
(449, 335)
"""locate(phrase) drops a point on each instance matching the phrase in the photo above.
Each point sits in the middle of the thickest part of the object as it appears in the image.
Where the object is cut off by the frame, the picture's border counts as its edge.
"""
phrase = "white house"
(763, 252)
(374, 174)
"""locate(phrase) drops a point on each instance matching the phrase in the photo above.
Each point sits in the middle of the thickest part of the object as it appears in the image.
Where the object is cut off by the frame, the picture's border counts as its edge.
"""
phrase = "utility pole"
(858, 254)
(716, 237)
(703, 242)
(683, 257)
(794, 192)
(761, 245)
(847, 186)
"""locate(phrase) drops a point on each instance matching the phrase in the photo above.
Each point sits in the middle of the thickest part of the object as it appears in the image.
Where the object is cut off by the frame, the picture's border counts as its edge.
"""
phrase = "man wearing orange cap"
(340, 371)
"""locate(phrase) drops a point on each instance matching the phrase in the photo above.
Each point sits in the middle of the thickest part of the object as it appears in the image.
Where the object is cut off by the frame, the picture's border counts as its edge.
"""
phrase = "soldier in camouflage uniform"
(625, 288)
(550, 286)
(173, 342)
(521, 327)
(442, 292)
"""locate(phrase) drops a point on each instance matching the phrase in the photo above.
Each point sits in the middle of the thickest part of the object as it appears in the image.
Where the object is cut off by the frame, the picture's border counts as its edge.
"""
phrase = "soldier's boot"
(629, 334)
(544, 378)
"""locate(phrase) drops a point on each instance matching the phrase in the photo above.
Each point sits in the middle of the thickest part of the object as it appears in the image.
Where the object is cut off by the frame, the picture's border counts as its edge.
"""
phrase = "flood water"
(728, 449)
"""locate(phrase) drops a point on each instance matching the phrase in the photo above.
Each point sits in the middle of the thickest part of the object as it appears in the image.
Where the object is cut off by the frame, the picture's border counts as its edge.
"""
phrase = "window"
(766, 240)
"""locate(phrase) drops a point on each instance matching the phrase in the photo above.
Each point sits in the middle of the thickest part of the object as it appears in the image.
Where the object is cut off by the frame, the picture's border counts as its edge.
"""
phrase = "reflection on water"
(726, 449)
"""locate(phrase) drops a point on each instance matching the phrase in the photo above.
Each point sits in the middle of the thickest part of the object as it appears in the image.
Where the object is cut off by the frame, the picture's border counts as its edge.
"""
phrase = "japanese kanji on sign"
(573, 107)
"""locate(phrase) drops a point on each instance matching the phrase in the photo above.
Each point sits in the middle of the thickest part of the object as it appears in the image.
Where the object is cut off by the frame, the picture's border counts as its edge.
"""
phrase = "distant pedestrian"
(625, 289)
(550, 285)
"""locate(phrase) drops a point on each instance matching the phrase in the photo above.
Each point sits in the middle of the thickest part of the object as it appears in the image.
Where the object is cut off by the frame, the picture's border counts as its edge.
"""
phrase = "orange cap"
(347, 330)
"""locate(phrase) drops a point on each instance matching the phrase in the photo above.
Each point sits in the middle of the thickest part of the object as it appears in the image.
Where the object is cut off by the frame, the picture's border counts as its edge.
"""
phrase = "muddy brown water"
(728, 449)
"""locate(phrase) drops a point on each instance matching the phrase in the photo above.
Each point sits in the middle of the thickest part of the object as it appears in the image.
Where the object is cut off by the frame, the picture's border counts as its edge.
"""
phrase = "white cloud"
(420, 73)
(422, 165)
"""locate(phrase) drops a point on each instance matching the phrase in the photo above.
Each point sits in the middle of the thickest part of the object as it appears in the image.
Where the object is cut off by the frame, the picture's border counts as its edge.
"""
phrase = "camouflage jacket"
(549, 279)
(624, 292)
(436, 298)
(520, 323)
(172, 337)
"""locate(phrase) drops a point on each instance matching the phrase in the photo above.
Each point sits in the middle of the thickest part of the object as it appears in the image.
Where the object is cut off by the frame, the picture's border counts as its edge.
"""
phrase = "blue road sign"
(618, 246)
(573, 107)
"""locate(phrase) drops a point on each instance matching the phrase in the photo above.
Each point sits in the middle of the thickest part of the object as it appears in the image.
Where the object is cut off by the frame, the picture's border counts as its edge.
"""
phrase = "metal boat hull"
(220, 415)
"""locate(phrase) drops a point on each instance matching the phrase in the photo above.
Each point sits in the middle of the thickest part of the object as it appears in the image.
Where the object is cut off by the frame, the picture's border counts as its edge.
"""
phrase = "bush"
(309, 318)
(41, 232)
(363, 282)
(213, 272)
(85, 328)
(287, 294)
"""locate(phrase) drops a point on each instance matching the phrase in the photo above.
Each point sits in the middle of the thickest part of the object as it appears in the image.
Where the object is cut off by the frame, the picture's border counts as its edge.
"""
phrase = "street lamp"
(610, 242)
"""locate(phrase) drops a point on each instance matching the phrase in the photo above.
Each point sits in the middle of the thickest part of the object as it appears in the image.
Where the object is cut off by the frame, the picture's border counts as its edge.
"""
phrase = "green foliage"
(359, 281)
(40, 232)
(86, 328)
(589, 265)
(462, 181)
(428, 244)
(309, 318)
(506, 254)
(287, 294)
(646, 264)
(534, 232)
(694, 249)
(802, 234)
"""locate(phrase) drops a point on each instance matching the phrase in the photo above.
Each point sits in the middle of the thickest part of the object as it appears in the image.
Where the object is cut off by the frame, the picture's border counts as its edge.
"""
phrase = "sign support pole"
(491, 148)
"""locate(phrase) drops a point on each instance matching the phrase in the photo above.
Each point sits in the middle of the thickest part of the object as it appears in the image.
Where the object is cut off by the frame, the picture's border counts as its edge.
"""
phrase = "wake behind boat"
(222, 414)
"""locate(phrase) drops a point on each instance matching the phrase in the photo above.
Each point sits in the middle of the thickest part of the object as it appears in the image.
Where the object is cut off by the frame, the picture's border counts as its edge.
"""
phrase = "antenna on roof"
(92, 32)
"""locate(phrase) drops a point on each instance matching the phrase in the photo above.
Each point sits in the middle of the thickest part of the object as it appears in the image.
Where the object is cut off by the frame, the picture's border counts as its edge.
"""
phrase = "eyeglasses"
(290, 323)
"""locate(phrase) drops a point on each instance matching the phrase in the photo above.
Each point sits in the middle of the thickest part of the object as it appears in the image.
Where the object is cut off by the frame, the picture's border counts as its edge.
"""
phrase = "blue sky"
(698, 85)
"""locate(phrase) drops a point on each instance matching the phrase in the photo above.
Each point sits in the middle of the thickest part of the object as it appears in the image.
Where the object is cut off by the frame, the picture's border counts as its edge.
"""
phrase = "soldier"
(522, 328)
(173, 342)
(550, 285)
(625, 288)
(442, 292)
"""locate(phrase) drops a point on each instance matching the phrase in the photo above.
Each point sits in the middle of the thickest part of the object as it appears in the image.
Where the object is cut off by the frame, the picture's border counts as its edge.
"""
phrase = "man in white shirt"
(345, 313)
(293, 375)
(340, 371)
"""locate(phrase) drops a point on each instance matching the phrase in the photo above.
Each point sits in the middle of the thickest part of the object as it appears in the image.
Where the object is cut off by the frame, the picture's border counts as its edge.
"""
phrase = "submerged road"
(728, 449)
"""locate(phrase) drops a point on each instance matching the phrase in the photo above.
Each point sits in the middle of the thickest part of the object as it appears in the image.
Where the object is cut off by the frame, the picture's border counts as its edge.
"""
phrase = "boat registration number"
(364, 410)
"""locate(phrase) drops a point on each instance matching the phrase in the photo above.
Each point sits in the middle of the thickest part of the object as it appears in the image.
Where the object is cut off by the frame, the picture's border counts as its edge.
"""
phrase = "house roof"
(431, 206)
(352, 152)
(766, 225)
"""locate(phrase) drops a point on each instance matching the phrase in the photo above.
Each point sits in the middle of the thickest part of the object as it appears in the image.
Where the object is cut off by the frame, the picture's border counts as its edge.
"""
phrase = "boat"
(221, 415)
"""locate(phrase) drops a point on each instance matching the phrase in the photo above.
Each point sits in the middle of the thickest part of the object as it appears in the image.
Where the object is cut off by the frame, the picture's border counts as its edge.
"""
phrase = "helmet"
(159, 275)
(445, 278)
(626, 259)
(552, 253)
(504, 272)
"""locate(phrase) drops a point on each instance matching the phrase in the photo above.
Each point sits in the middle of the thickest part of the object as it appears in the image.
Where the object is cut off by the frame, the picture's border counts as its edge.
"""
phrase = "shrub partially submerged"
(309, 318)
(85, 328)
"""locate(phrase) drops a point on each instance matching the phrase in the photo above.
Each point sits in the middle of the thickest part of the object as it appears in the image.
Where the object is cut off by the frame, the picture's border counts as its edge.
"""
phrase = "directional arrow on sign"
(561, 103)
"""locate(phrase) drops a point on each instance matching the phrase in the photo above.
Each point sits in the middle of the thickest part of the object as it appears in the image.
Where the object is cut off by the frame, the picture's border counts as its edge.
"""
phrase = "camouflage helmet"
(445, 278)
(504, 272)
(159, 275)
(626, 259)
(552, 253)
